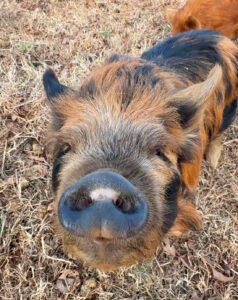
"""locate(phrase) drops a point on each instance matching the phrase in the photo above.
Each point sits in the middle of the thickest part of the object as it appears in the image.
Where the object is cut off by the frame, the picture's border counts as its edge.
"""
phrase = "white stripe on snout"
(104, 194)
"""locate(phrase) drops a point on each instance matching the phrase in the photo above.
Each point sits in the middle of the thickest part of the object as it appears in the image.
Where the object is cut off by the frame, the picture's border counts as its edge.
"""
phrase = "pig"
(221, 16)
(128, 146)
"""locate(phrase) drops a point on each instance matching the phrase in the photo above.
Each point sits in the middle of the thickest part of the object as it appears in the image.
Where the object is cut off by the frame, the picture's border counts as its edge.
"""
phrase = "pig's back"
(193, 54)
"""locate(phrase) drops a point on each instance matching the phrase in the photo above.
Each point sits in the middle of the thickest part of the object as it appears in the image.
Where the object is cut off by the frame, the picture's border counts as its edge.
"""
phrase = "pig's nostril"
(124, 205)
(79, 202)
(118, 203)
(100, 239)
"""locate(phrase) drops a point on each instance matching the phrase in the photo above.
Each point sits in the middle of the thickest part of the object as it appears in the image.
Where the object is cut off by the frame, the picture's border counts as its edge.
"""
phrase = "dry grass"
(72, 37)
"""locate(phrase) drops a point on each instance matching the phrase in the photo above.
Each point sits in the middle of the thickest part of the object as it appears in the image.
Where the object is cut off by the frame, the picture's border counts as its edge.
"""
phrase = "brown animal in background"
(129, 144)
(218, 15)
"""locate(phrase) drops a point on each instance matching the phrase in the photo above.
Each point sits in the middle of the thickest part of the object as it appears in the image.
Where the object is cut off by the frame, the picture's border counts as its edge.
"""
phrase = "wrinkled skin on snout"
(127, 149)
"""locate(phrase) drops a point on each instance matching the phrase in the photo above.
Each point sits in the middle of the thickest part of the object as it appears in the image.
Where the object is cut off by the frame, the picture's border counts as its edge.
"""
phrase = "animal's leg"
(214, 149)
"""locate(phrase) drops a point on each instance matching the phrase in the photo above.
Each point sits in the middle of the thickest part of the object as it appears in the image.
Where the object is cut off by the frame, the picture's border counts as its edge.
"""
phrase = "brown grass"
(72, 37)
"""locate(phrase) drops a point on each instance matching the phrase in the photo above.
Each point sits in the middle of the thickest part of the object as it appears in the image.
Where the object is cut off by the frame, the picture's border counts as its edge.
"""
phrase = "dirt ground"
(72, 37)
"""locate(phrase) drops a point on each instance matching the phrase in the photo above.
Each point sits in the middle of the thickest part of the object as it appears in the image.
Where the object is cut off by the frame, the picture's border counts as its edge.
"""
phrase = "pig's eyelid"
(162, 156)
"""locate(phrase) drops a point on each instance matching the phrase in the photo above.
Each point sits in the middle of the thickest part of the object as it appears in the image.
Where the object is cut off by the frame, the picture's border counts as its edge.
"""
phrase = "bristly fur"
(152, 120)
(221, 16)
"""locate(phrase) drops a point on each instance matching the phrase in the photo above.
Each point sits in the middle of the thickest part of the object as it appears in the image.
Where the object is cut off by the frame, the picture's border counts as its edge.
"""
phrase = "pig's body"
(129, 146)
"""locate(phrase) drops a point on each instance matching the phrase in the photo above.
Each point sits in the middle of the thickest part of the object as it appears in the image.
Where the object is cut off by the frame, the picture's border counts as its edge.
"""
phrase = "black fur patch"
(186, 112)
(228, 115)
(227, 81)
(171, 194)
(192, 54)
(52, 86)
(55, 172)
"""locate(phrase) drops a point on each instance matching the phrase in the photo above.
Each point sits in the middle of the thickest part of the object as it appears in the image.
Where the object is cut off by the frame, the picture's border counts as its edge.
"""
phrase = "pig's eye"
(64, 149)
(161, 155)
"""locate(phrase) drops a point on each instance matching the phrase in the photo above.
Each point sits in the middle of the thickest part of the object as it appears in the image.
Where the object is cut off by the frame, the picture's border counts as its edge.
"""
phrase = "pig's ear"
(170, 14)
(52, 86)
(192, 23)
(54, 91)
(191, 101)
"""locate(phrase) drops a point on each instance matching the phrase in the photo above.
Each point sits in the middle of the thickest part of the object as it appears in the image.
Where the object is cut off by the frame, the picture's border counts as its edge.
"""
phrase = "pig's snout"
(103, 206)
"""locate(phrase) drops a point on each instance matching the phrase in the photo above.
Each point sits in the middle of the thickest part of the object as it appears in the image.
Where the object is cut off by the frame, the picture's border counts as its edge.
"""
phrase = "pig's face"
(182, 21)
(115, 175)
(114, 191)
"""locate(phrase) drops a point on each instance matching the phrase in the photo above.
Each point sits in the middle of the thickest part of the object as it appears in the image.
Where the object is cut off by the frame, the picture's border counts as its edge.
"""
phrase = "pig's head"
(182, 21)
(117, 143)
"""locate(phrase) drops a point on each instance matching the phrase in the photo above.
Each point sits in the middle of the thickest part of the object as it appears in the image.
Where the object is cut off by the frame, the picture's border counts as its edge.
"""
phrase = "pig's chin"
(108, 255)
(103, 255)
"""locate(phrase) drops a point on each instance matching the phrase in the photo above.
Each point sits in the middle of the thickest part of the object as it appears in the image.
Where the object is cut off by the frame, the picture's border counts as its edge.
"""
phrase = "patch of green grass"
(25, 48)
(106, 34)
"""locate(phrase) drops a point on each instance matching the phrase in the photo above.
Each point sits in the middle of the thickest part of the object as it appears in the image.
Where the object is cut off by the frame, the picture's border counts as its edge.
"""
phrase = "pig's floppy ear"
(191, 101)
(53, 88)
(192, 23)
